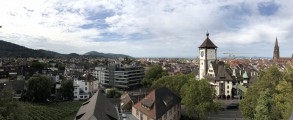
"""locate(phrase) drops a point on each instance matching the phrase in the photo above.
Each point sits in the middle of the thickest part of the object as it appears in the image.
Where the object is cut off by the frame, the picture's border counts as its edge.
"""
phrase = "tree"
(38, 88)
(67, 89)
(38, 65)
(198, 98)
(263, 109)
(283, 100)
(113, 93)
(280, 99)
(154, 73)
(9, 108)
(174, 83)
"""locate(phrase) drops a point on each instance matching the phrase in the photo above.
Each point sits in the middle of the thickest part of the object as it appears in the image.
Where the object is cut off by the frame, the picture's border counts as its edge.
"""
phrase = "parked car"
(233, 106)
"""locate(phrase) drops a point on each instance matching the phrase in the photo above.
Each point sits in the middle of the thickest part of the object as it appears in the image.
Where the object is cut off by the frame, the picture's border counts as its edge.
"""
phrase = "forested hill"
(8, 49)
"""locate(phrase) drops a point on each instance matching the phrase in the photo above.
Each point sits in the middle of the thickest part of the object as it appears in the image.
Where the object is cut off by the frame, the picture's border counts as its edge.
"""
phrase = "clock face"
(201, 53)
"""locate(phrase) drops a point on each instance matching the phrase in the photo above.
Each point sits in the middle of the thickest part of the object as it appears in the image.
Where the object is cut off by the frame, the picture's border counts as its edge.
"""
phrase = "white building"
(208, 53)
(84, 86)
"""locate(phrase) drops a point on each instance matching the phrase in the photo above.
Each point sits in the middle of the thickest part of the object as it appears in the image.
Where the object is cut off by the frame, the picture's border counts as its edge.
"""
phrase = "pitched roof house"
(160, 103)
(98, 107)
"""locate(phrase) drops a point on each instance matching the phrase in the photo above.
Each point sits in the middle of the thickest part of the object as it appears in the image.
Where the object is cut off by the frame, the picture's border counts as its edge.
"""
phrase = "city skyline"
(149, 28)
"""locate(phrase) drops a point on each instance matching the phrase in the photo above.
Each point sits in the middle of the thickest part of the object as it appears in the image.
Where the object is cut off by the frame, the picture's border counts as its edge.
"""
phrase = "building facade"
(207, 54)
(121, 76)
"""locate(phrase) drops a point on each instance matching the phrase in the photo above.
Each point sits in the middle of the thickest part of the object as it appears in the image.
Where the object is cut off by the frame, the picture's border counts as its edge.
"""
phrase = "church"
(228, 82)
(280, 60)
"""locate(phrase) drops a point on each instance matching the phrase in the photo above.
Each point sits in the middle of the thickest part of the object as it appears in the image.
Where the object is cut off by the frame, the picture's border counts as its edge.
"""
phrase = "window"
(85, 88)
(227, 87)
(81, 96)
(85, 83)
(75, 96)
(228, 82)
(228, 91)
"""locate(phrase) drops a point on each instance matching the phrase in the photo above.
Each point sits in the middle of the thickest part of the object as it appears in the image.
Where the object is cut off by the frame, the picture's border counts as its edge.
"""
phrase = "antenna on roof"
(208, 33)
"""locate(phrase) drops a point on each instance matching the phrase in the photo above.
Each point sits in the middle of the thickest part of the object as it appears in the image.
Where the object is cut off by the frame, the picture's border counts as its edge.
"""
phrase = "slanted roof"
(163, 100)
(98, 107)
(127, 98)
(221, 73)
(207, 43)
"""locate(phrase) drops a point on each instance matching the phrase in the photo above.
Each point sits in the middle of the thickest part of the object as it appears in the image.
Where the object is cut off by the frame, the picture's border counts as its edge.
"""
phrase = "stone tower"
(207, 53)
(276, 51)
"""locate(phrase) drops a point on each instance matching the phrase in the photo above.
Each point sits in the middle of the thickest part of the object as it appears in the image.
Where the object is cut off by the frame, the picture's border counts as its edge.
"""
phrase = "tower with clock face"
(207, 53)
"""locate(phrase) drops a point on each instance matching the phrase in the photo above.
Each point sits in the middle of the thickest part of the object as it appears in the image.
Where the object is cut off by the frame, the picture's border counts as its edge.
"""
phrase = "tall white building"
(207, 54)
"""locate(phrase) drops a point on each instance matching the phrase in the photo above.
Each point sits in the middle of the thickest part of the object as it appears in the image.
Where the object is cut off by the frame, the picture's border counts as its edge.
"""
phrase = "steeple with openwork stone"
(276, 51)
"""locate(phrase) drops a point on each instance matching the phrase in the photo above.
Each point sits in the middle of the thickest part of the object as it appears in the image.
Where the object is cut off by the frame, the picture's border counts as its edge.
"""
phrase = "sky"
(149, 28)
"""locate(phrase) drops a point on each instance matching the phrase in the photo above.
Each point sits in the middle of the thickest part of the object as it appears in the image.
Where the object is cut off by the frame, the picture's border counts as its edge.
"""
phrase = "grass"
(50, 111)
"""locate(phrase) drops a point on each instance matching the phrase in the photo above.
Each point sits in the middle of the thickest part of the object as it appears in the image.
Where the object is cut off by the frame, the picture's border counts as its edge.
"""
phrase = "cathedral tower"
(276, 51)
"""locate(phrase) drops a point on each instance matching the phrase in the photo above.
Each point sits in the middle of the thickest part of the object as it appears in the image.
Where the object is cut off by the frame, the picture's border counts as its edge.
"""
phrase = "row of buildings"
(87, 81)
(159, 104)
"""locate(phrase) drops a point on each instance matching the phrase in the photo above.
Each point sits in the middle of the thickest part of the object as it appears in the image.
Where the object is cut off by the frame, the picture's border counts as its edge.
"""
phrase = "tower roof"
(207, 43)
(276, 43)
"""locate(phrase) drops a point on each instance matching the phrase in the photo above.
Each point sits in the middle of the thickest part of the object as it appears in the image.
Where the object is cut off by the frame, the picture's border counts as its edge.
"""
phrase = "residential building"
(159, 104)
(84, 86)
(127, 101)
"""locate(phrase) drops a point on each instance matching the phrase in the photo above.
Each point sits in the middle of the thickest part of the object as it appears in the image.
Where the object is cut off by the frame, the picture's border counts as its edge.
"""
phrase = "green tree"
(67, 89)
(280, 86)
(113, 93)
(38, 88)
(154, 73)
(283, 100)
(198, 98)
(9, 108)
(174, 83)
(263, 109)
(38, 65)
(61, 67)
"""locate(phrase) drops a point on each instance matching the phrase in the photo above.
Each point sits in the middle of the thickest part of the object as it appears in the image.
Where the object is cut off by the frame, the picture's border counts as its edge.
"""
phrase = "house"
(98, 107)
(159, 104)
(221, 78)
(84, 86)
(127, 101)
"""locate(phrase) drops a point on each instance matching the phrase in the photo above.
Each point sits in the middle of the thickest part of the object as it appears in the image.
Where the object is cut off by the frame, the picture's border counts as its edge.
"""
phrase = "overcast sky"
(149, 28)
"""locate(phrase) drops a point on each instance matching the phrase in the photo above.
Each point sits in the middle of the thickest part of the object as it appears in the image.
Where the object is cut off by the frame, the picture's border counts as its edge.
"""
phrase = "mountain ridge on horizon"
(9, 49)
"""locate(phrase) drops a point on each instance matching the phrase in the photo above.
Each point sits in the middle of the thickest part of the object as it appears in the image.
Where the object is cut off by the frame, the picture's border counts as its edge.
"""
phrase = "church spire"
(276, 43)
(276, 51)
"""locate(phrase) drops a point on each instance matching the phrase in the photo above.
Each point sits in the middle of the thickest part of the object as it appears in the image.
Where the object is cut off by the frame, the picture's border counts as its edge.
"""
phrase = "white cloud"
(145, 28)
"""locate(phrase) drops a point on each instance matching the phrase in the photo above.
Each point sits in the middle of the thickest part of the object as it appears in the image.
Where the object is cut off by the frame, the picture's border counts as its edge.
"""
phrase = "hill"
(8, 49)
(106, 55)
